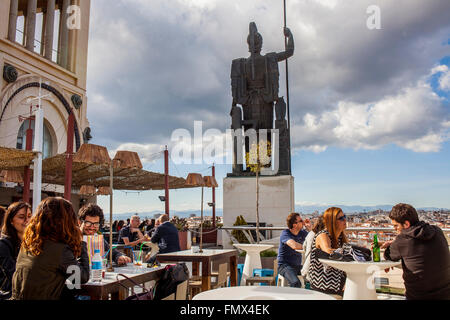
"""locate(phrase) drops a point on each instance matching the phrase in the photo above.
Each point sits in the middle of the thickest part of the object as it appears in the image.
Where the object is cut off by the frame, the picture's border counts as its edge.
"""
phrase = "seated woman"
(52, 251)
(324, 278)
(307, 245)
(2, 215)
(16, 220)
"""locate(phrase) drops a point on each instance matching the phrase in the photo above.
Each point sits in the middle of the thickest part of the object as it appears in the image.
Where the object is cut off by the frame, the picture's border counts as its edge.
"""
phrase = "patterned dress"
(324, 278)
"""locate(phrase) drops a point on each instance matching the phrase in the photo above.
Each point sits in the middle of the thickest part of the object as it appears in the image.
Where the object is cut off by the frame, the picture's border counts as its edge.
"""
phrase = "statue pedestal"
(276, 201)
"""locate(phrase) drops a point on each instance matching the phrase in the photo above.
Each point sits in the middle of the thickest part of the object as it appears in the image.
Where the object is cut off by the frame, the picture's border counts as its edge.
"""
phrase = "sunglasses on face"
(90, 224)
(344, 217)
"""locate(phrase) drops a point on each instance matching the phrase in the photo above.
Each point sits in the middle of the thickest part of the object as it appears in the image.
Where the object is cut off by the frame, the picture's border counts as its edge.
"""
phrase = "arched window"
(22, 139)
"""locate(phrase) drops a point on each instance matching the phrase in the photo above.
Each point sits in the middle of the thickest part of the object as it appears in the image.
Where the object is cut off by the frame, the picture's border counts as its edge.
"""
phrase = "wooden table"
(206, 258)
(110, 284)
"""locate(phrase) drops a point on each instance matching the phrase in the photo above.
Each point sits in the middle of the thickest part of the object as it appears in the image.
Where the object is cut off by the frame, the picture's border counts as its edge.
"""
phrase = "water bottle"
(97, 267)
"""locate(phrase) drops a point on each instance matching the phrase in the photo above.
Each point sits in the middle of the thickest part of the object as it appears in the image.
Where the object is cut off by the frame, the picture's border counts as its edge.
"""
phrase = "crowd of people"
(422, 249)
(37, 252)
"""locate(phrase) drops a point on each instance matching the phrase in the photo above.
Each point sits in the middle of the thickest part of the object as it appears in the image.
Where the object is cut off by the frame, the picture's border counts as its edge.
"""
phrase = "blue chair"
(240, 270)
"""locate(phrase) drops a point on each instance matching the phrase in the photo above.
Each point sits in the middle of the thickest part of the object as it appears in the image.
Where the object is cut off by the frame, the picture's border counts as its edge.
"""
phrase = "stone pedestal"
(276, 201)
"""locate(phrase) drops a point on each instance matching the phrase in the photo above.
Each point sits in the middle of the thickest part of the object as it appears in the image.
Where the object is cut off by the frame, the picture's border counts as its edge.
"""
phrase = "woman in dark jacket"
(52, 252)
(2, 216)
(15, 221)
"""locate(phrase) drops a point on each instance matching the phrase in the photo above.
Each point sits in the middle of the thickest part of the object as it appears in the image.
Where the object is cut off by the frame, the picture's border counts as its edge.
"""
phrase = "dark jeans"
(290, 273)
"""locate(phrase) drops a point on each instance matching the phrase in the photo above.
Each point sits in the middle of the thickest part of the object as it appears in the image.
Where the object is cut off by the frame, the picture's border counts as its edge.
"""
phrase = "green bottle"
(376, 249)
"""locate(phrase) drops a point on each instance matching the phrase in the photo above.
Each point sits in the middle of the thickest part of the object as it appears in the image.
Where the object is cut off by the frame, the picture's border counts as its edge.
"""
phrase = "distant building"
(45, 40)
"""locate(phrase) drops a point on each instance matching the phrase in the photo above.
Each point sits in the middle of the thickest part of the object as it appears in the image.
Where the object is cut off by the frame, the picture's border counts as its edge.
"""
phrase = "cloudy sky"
(370, 111)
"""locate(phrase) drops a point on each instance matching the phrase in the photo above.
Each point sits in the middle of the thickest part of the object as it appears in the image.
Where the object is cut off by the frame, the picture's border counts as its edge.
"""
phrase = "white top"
(253, 246)
(367, 267)
(262, 293)
(307, 246)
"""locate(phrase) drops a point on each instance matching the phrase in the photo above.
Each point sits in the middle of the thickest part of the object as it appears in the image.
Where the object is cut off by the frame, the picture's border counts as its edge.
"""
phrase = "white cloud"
(147, 152)
(331, 4)
(414, 119)
(158, 65)
(439, 68)
(444, 81)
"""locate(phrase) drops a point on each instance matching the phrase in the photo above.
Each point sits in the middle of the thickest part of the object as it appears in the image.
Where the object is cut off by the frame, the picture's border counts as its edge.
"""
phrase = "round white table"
(252, 259)
(262, 293)
(360, 284)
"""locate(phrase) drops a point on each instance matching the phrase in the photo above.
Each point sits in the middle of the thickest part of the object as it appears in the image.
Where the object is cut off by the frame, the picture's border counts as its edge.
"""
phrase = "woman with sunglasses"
(15, 221)
(52, 252)
(323, 278)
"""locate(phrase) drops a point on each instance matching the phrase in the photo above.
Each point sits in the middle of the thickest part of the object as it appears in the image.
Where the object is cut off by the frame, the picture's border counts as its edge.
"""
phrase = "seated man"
(289, 260)
(423, 250)
(150, 233)
(131, 235)
(166, 236)
(90, 219)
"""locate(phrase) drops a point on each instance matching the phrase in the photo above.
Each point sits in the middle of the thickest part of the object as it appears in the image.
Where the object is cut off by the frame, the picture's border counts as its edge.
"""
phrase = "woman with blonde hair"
(51, 244)
(323, 278)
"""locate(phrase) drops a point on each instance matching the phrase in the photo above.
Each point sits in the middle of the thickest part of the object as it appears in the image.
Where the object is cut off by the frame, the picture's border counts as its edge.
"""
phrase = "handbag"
(361, 253)
(174, 274)
(180, 272)
(340, 254)
(145, 295)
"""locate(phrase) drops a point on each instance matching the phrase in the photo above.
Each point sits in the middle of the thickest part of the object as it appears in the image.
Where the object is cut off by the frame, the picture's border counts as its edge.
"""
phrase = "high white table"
(252, 259)
(262, 293)
(360, 284)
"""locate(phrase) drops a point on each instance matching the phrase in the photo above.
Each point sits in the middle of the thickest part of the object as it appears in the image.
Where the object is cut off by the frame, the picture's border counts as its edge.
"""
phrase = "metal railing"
(247, 231)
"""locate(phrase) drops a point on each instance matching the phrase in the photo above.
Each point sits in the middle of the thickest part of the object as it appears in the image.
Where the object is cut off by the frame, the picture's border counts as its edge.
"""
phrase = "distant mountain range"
(354, 209)
(298, 208)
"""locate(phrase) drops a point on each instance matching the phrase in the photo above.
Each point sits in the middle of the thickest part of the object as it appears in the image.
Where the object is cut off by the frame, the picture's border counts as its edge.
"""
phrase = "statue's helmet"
(254, 39)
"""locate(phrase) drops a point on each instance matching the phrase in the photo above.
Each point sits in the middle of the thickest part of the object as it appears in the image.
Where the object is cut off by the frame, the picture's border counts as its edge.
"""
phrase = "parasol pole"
(110, 268)
(29, 147)
(166, 180)
(287, 90)
(201, 226)
(38, 142)
(257, 202)
(214, 198)
(69, 157)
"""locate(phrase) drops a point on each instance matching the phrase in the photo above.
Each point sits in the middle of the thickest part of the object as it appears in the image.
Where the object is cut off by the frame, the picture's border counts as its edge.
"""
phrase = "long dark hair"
(2, 217)
(319, 225)
(8, 229)
(54, 220)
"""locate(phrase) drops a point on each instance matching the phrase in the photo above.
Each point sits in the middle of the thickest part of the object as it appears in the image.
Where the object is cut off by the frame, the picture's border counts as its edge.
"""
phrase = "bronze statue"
(255, 84)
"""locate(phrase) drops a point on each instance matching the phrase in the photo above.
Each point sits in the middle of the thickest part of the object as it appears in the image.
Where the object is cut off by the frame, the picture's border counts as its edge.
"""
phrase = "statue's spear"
(253, 30)
(287, 90)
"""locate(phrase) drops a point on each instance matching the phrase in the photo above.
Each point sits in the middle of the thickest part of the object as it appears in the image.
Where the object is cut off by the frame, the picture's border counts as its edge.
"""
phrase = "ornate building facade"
(43, 41)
